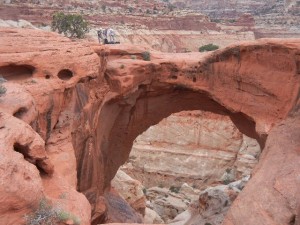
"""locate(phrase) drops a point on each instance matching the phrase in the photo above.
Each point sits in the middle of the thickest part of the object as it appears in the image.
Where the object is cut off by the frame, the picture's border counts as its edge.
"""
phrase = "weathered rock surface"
(37, 113)
(131, 190)
(169, 202)
(256, 84)
(118, 210)
(194, 147)
(151, 217)
(211, 207)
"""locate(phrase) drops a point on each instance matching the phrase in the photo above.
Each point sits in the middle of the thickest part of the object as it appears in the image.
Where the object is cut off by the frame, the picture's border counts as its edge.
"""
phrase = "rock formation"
(131, 190)
(191, 147)
(37, 111)
(211, 206)
(89, 119)
(172, 26)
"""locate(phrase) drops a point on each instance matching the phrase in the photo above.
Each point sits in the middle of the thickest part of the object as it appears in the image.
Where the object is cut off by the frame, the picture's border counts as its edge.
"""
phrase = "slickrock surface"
(90, 118)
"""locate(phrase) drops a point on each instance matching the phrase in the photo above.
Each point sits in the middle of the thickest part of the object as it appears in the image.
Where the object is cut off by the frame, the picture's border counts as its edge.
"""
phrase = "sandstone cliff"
(173, 26)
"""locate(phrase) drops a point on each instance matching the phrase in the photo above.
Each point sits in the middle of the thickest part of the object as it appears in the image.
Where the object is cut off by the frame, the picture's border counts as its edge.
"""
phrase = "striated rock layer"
(193, 147)
(89, 119)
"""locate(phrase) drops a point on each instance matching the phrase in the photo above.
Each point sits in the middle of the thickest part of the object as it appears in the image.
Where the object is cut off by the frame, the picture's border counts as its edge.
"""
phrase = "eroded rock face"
(131, 190)
(194, 147)
(38, 112)
(211, 206)
(256, 84)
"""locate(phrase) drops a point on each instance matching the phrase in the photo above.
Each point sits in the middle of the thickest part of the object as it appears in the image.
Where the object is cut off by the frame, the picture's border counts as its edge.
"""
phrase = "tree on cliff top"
(71, 25)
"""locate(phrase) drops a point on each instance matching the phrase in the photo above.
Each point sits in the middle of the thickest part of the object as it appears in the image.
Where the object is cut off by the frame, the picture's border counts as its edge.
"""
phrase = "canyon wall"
(84, 105)
(198, 148)
(182, 26)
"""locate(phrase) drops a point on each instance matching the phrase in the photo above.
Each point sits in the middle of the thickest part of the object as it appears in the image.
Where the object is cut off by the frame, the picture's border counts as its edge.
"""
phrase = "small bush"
(71, 25)
(174, 189)
(146, 56)
(2, 90)
(209, 47)
(226, 181)
(122, 66)
(46, 214)
(63, 216)
(144, 191)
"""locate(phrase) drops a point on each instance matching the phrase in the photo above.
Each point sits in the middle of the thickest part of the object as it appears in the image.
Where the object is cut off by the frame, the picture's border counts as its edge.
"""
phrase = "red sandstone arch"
(256, 85)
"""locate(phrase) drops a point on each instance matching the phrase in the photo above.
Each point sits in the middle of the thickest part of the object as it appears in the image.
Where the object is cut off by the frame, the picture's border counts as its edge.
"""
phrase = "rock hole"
(65, 74)
(21, 112)
(23, 149)
(194, 79)
(47, 76)
(174, 77)
(17, 72)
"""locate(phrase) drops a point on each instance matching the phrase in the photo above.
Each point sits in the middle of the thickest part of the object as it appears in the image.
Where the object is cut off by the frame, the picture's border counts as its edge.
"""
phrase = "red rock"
(96, 120)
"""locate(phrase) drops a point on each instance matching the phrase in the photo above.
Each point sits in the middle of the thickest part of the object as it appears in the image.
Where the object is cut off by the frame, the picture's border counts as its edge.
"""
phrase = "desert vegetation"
(71, 25)
(209, 47)
(46, 214)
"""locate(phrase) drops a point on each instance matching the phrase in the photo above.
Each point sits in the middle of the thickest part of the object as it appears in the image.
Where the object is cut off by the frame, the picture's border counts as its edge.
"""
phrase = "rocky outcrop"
(211, 206)
(80, 115)
(44, 92)
(193, 147)
(131, 191)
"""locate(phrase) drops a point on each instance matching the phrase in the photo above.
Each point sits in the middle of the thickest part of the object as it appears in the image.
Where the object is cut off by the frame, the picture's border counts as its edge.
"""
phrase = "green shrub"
(71, 25)
(2, 90)
(146, 56)
(174, 189)
(209, 47)
(226, 181)
(122, 66)
(46, 214)
(144, 191)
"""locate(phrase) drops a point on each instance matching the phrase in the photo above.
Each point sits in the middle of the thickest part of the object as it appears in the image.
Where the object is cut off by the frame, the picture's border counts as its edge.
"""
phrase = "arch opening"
(187, 156)
(65, 74)
(16, 72)
(124, 118)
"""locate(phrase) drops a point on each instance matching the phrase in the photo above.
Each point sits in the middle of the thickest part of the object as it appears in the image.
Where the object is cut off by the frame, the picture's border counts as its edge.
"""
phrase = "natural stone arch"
(143, 109)
(234, 81)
